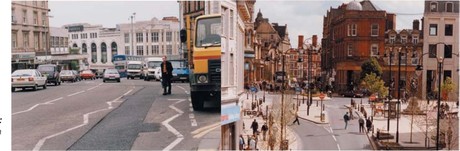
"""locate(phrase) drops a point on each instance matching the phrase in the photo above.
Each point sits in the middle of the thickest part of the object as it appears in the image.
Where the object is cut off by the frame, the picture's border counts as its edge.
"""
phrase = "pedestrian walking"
(252, 144)
(351, 112)
(296, 119)
(255, 127)
(264, 130)
(368, 124)
(166, 71)
(256, 139)
(241, 147)
(346, 118)
(361, 125)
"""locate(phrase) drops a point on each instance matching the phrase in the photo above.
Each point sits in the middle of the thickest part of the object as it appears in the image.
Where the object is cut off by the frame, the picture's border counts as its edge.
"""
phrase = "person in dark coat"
(255, 127)
(166, 75)
(368, 124)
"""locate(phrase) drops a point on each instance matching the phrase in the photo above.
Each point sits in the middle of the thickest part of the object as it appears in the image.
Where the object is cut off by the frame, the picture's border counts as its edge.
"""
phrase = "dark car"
(353, 94)
(51, 71)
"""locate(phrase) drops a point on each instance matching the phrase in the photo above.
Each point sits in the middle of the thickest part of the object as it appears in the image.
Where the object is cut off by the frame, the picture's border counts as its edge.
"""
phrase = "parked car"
(27, 78)
(51, 72)
(111, 75)
(352, 93)
(87, 74)
(68, 75)
(157, 74)
(77, 75)
(180, 71)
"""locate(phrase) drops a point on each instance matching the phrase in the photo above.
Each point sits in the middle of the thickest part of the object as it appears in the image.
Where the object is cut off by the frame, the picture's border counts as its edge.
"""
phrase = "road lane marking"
(85, 122)
(205, 128)
(93, 87)
(31, 108)
(202, 132)
(179, 136)
(128, 92)
(194, 123)
(76, 93)
(338, 147)
(186, 92)
(333, 136)
(191, 115)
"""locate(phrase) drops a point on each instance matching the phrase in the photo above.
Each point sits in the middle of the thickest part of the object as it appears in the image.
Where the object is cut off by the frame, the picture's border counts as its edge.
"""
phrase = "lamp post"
(399, 93)
(132, 33)
(389, 89)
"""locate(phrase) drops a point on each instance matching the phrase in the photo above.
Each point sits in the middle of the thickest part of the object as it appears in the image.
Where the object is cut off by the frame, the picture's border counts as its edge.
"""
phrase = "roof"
(281, 30)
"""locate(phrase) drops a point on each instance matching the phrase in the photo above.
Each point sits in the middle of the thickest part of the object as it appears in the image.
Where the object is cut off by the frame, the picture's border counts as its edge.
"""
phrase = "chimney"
(315, 40)
(415, 24)
(300, 41)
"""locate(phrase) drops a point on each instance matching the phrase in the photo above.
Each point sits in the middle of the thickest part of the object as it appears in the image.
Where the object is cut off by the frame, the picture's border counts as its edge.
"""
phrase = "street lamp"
(132, 17)
(399, 92)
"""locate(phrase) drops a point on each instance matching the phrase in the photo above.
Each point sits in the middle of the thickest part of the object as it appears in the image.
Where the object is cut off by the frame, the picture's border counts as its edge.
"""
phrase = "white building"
(60, 52)
(96, 43)
(440, 25)
(151, 38)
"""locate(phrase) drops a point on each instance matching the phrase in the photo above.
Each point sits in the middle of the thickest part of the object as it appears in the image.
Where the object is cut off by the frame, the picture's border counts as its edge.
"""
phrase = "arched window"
(104, 52)
(74, 45)
(84, 49)
(114, 49)
(93, 53)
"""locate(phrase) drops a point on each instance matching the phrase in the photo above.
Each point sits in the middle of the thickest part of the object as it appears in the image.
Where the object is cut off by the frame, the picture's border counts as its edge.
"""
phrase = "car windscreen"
(154, 64)
(19, 73)
(111, 72)
(46, 68)
(134, 66)
(66, 72)
(87, 72)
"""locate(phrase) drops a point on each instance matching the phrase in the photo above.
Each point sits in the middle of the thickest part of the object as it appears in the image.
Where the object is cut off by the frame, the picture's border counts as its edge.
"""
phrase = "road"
(332, 136)
(92, 115)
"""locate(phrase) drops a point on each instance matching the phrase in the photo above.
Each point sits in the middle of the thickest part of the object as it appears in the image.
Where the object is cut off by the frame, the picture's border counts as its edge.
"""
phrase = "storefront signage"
(229, 114)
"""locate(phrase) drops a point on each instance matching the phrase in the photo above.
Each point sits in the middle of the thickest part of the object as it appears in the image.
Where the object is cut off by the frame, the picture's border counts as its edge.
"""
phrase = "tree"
(374, 84)
(371, 66)
(447, 87)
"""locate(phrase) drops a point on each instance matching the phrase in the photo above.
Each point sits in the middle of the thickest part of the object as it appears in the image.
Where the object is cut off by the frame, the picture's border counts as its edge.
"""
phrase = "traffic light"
(183, 35)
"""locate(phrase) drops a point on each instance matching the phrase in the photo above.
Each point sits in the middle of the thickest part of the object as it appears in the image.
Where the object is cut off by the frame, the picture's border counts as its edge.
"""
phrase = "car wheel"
(55, 83)
(13, 89)
(118, 80)
(44, 86)
(35, 88)
(103, 81)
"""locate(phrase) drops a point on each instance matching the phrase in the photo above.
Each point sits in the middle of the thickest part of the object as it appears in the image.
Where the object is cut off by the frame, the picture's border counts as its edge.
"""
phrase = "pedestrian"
(296, 119)
(256, 139)
(346, 118)
(252, 144)
(368, 124)
(351, 112)
(361, 124)
(264, 130)
(241, 147)
(255, 127)
(166, 71)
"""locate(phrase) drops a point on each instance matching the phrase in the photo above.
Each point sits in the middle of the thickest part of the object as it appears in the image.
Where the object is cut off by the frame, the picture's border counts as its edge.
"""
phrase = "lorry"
(134, 69)
(150, 67)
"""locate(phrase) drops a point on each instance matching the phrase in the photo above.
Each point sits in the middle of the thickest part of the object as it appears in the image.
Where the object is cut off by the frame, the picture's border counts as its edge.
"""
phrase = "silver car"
(27, 78)
(111, 75)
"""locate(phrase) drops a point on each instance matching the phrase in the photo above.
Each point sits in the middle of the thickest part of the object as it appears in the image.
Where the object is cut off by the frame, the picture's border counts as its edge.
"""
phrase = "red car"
(87, 74)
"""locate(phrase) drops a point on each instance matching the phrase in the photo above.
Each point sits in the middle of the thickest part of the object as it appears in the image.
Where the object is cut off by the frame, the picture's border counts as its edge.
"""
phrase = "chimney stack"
(415, 24)
(315, 40)
(300, 42)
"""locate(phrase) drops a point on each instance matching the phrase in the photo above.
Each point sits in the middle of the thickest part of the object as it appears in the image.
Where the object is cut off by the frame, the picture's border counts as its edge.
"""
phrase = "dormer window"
(403, 39)
(433, 6)
(414, 39)
(392, 39)
(449, 7)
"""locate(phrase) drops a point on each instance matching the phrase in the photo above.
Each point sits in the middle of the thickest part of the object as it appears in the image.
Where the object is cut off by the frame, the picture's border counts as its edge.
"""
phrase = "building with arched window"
(64, 53)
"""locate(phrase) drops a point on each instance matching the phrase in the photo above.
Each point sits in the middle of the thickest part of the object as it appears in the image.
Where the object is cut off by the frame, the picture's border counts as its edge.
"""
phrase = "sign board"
(75, 28)
(229, 114)
(321, 96)
(372, 97)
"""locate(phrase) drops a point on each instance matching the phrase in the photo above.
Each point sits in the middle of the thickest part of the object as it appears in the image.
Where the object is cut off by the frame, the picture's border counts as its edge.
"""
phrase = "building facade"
(62, 53)
(153, 38)
(440, 25)
(352, 33)
(29, 32)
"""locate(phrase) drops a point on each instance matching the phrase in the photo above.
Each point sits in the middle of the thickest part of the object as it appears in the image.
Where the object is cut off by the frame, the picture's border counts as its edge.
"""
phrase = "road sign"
(372, 97)
(321, 96)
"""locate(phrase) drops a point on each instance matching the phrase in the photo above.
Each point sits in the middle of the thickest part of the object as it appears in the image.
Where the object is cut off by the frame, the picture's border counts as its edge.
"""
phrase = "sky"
(306, 17)
(302, 17)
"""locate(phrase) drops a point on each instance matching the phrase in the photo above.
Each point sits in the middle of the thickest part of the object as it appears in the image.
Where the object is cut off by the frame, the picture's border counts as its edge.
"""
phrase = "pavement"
(315, 111)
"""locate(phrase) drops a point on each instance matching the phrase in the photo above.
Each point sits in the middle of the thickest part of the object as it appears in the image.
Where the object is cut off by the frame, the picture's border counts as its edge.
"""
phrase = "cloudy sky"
(302, 17)
(306, 17)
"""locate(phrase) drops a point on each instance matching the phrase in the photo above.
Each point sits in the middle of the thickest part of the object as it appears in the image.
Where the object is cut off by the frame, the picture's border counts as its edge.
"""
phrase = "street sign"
(372, 97)
(297, 89)
(321, 96)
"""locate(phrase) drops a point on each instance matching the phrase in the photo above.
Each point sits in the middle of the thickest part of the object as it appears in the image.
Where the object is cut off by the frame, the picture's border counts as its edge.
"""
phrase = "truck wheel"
(35, 88)
(44, 86)
(13, 89)
(197, 102)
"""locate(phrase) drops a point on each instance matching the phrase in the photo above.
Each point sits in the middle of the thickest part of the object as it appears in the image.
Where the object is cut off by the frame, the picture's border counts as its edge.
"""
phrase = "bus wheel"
(197, 102)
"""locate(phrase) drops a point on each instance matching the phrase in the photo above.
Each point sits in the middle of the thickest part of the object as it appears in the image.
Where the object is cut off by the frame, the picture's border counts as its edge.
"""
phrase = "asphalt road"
(91, 115)
(332, 136)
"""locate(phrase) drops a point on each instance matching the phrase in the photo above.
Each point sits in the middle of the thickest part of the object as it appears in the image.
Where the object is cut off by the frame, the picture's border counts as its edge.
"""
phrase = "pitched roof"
(281, 30)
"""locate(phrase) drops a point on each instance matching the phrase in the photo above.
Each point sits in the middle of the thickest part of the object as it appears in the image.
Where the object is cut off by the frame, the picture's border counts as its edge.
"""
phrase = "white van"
(134, 69)
(150, 67)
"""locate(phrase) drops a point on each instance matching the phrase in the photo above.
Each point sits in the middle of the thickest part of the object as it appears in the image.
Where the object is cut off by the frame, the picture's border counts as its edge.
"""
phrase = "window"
(104, 53)
(169, 36)
(155, 49)
(432, 51)
(34, 3)
(162, 36)
(403, 39)
(36, 41)
(414, 39)
(447, 51)
(162, 49)
(93, 53)
(449, 7)
(434, 7)
(231, 23)
(414, 58)
(139, 37)
(126, 38)
(352, 30)
(433, 29)
(84, 50)
(35, 18)
(43, 3)
(61, 41)
(447, 73)
(374, 49)
(392, 39)
(146, 37)
(43, 19)
(375, 30)
(169, 49)
(24, 16)
(350, 50)
(14, 39)
(403, 58)
(140, 50)
(25, 35)
(127, 50)
(154, 36)
(449, 29)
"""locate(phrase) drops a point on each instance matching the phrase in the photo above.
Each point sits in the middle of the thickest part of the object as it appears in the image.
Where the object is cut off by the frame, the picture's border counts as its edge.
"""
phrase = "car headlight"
(202, 79)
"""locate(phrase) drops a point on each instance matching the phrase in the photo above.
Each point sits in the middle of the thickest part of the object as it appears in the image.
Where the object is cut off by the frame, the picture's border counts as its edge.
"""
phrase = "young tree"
(375, 85)
(447, 87)
(371, 66)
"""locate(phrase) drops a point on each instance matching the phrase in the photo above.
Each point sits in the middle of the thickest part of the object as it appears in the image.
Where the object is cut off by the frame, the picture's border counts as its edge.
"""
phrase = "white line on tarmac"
(205, 127)
(31, 108)
(194, 123)
(338, 147)
(93, 87)
(333, 136)
(128, 92)
(76, 93)
(179, 136)
(85, 122)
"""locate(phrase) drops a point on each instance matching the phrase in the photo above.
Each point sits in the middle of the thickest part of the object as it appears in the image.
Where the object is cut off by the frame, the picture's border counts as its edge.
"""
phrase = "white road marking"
(191, 109)
(194, 123)
(205, 128)
(76, 93)
(179, 136)
(128, 92)
(191, 115)
(338, 147)
(31, 108)
(333, 136)
(93, 87)
(85, 122)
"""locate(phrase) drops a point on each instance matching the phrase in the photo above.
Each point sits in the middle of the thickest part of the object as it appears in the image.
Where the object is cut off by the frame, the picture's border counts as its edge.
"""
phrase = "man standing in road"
(264, 130)
(346, 118)
(255, 127)
(166, 75)
(361, 124)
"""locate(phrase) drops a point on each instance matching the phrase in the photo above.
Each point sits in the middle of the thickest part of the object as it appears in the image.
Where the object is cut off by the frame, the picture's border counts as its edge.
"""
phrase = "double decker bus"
(121, 62)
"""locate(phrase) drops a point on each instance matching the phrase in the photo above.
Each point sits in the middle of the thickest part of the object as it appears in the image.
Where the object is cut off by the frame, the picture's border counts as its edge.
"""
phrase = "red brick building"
(352, 33)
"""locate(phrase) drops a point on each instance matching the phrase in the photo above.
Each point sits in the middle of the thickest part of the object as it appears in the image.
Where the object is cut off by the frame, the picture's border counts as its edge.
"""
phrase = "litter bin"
(285, 145)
